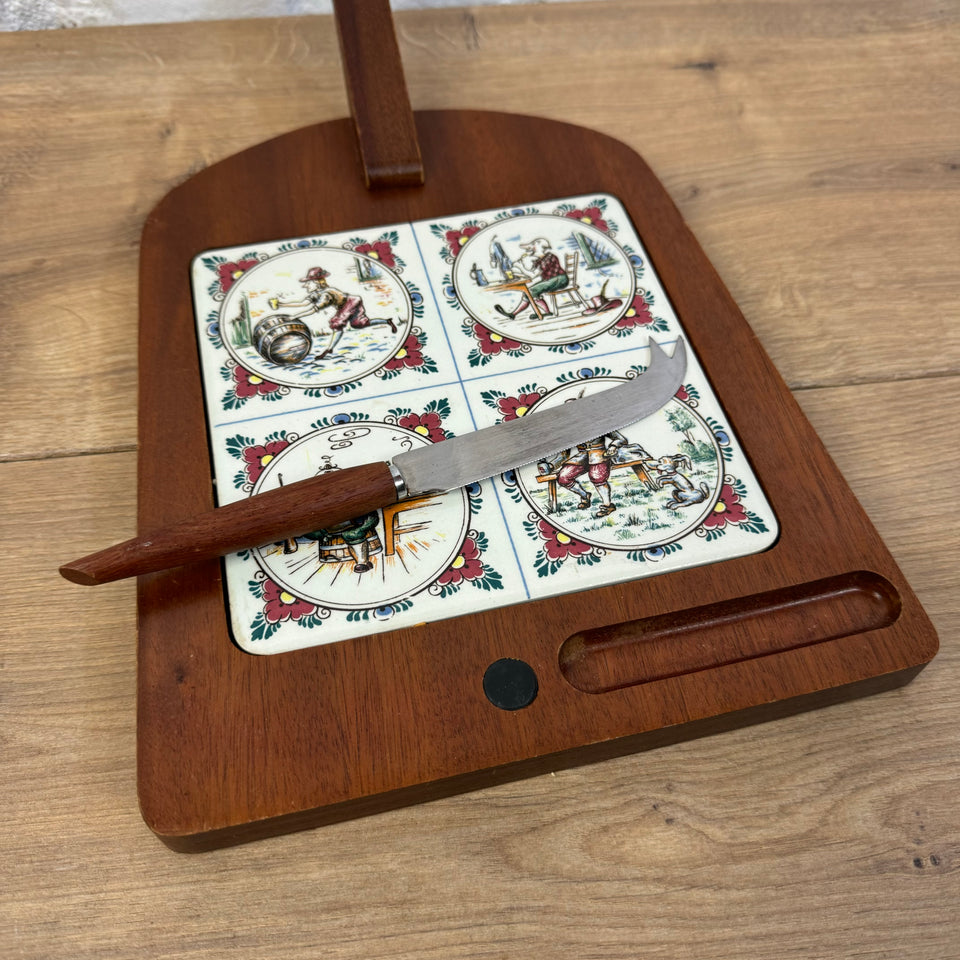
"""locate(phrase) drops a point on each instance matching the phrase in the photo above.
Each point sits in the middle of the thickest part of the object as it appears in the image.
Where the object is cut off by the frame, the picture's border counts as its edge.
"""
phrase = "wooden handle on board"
(280, 514)
(378, 94)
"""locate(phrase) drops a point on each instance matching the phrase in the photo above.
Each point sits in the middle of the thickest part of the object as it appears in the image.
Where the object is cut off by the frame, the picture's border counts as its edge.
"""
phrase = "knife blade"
(321, 502)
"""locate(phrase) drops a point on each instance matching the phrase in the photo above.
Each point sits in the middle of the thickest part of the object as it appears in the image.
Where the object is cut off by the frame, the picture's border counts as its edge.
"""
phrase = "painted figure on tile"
(667, 473)
(357, 537)
(540, 262)
(594, 459)
(547, 280)
(348, 308)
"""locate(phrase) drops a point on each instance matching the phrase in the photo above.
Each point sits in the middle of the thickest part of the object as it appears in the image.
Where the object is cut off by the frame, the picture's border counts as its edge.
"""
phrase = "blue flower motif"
(585, 374)
(416, 298)
(335, 391)
(723, 438)
(636, 261)
(384, 613)
(574, 347)
(473, 489)
(655, 553)
(341, 418)
(303, 243)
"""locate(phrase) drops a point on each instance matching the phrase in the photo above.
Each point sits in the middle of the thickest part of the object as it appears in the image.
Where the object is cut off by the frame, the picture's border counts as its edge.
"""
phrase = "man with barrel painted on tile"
(348, 308)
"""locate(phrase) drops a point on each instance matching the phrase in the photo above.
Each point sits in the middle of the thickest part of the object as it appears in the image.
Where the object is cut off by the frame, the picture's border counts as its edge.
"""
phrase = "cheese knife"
(321, 502)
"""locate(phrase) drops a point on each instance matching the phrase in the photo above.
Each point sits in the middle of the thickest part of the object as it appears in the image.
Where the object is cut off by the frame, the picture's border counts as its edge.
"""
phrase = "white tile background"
(56, 14)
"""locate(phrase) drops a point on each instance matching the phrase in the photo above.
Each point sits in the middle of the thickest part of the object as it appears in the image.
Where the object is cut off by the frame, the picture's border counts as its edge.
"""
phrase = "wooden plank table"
(813, 149)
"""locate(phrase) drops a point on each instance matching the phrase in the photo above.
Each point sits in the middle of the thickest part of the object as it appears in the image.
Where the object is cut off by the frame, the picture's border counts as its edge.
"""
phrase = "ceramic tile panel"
(325, 352)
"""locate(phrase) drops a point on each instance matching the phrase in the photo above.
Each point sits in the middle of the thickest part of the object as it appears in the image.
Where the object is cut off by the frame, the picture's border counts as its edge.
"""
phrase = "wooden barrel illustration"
(282, 339)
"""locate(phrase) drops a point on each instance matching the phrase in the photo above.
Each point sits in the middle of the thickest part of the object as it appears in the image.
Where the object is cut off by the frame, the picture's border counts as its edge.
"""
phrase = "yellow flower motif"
(401, 353)
(287, 597)
(458, 563)
(562, 538)
(495, 337)
(254, 379)
(586, 220)
(520, 411)
(720, 507)
(265, 459)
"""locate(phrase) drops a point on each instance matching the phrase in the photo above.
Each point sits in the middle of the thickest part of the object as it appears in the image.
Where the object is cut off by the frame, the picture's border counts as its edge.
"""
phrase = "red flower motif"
(428, 425)
(280, 605)
(638, 313)
(492, 343)
(457, 238)
(559, 545)
(409, 355)
(256, 458)
(379, 250)
(229, 273)
(682, 394)
(728, 509)
(467, 565)
(591, 215)
(513, 407)
(249, 384)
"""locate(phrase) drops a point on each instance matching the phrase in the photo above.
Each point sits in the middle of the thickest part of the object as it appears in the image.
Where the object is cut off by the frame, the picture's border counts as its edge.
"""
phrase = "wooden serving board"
(234, 746)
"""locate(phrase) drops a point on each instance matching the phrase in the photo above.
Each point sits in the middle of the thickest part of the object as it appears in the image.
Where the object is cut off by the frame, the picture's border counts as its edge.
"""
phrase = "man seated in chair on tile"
(540, 261)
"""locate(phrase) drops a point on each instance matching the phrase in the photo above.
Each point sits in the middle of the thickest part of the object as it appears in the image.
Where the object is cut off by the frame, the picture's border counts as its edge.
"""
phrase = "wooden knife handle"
(276, 515)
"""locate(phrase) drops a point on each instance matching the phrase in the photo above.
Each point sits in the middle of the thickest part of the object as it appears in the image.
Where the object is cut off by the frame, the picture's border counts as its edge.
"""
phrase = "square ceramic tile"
(325, 352)
(426, 558)
(288, 325)
(534, 284)
(669, 492)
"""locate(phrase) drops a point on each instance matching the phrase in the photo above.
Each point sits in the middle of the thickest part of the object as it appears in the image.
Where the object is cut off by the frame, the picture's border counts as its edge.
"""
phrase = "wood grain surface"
(813, 150)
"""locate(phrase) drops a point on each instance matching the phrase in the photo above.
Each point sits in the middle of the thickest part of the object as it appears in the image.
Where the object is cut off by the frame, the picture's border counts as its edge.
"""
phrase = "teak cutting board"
(233, 746)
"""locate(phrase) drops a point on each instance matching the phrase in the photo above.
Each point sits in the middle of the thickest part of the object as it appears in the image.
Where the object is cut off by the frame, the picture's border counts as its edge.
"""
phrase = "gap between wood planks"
(66, 454)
